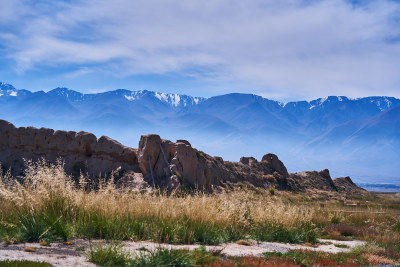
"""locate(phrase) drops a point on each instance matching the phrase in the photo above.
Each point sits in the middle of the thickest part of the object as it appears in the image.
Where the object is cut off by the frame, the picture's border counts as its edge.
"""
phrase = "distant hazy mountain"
(358, 137)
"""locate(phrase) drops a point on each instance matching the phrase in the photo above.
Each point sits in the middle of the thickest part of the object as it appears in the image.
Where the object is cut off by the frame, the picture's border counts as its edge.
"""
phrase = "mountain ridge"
(316, 133)
(383, 102)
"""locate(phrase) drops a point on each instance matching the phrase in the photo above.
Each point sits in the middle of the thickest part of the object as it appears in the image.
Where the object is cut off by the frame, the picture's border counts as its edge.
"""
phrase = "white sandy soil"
(66, 255)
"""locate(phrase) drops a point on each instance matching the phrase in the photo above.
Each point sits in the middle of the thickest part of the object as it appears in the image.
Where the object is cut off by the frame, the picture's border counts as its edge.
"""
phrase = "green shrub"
(31, 226)
(305, 232)
(108, 255)
(397, 227)
(271, 191)
(164, 257)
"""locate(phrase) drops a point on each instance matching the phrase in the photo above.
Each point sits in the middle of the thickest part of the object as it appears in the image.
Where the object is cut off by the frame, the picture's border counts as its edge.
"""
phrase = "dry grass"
(45, 243)
(243, 242)
(48, 205)
(374, 259)
(29, 249)
(44, 182)
(48, 202)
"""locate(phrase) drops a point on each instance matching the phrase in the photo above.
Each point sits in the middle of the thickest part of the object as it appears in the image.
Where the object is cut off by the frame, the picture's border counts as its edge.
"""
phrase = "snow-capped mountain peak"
(7, 90)
(382, 102)
(174, 100)
(66, 93)
(6, 87)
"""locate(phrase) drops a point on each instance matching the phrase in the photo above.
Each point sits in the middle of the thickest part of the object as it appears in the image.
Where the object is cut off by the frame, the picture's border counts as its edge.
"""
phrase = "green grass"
(108, 255)
(36, 225)
(277, 233)
(177, 231)
(164, 257)
(114, 255)
(31, 226)
(271, 191)
(92, 225)
(24, 263)
(396, 227)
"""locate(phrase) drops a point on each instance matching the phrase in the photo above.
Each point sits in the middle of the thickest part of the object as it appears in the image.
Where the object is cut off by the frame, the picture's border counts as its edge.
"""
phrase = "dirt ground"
(59, 254)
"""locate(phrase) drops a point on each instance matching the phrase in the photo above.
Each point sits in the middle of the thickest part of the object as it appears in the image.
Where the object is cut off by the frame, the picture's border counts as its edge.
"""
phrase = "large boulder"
(275, 164)
(154, 155)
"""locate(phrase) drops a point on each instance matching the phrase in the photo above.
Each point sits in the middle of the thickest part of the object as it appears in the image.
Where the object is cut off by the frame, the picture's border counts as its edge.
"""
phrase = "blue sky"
(285, 50)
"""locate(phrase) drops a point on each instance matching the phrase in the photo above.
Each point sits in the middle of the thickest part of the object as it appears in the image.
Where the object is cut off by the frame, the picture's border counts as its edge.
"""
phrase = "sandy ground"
(58, 254)
(66, 255)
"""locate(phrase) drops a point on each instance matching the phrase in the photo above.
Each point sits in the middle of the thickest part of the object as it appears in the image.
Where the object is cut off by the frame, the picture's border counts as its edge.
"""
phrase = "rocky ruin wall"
(80, 151)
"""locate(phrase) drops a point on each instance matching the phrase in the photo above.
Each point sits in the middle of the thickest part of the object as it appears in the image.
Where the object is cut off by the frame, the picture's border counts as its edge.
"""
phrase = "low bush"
(108, 255)
(305, 232)
(164, 257)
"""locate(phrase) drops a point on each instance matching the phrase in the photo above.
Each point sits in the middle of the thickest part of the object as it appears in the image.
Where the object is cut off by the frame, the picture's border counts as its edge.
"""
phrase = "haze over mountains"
(357, 137)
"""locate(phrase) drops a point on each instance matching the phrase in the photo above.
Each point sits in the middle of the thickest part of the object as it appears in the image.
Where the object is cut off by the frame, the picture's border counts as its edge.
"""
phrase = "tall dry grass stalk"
(40, 182)
(43, 182)
(46, 189)
(48, 203)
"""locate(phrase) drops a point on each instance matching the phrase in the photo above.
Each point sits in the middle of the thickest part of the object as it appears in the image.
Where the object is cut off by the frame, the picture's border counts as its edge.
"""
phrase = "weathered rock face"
(157, 162)
(275, 164)
(192, 168)
(170, 164)
(315, 180)
(133, 181)
(346, 185)
(81, 151)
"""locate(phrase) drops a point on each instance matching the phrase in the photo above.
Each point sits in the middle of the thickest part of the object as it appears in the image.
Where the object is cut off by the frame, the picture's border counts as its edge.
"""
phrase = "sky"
(280, 49)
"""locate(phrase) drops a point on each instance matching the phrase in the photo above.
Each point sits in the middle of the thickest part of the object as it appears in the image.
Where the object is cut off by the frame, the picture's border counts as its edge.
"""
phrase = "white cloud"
(283, 48)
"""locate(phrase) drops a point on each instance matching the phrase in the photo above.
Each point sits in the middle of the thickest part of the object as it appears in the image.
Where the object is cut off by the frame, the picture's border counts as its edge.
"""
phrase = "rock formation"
(312, 179)
(156, 163)
(81, 151)
(346, 185)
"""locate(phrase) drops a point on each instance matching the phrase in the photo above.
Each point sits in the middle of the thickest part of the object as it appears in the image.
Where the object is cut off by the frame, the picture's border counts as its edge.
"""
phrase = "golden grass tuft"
(243, 242)
(44, 243)
(29, 249)
(374, 259)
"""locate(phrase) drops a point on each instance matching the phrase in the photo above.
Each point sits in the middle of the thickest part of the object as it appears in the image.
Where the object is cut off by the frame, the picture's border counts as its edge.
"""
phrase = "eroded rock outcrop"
(312, 179)
(81, 151)
(156, 163)
(179, 164)
(275, 164)
(346, 185)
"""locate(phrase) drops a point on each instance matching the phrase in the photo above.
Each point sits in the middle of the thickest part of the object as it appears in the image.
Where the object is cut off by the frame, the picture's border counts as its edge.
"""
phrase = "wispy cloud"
(284, 48)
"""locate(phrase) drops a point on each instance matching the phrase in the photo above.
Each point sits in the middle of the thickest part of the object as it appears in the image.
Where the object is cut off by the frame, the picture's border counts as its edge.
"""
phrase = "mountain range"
(357, 137)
